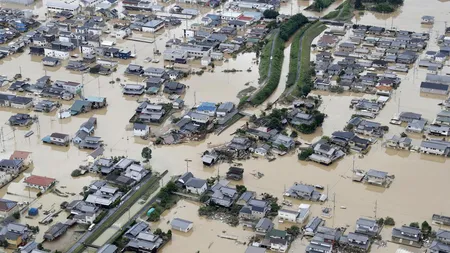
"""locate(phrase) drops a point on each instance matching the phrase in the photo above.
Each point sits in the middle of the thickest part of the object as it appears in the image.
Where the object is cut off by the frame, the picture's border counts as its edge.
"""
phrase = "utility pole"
(187, 164)
(334, 206)
(2, 139)
(375, 209)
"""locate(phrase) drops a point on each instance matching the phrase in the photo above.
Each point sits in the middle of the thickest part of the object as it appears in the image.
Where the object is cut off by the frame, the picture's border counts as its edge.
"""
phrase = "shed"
(181, 225)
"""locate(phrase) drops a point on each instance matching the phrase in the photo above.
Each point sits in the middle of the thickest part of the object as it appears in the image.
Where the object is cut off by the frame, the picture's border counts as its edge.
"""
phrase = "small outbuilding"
(181, 225)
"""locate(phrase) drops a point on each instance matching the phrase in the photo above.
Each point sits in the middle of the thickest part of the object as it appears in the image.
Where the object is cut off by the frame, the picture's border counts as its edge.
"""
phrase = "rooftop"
(39, 180)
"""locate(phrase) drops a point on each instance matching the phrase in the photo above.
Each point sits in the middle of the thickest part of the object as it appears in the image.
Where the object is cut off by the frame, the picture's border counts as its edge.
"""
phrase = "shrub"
(76, 173)
(16, 215)
(389, 221)
(305, 154)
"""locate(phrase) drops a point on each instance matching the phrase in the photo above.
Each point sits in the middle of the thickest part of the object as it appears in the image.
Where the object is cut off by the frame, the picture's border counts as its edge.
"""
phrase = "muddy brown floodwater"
(421, 181)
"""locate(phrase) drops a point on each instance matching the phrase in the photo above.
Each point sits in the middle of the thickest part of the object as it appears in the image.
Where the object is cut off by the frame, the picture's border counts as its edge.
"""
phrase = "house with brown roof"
(39, 182)
(24, 156)
(7, 207)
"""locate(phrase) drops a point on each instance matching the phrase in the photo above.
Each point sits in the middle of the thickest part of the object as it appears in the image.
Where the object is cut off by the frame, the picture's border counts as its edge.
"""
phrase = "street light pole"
(187, 164)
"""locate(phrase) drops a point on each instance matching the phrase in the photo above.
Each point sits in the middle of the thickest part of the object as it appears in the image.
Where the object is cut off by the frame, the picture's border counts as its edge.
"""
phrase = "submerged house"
(302, 191)
(435, 147)
(324, 153)
(406, 235)
(399, 142)
(377, 177)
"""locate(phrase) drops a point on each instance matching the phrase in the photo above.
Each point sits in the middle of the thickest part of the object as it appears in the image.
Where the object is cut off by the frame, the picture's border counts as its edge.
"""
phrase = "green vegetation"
(242, 101)
(76, 173)
(275, 117)
(232, 212)
(319, 5)
(414, 224)
(16, 215)
(344, 12)
(151, 185)
(318, 119)
(274, 207)
(241, 189)
(383, 6)
(389, 221)
(166, 200)
(305, 154)
(305, 83)
(100, 217)
(294, 231)
(274, 78)
(293, 62)
(426, 230)
(270, 14)
(146, 154)
(288, 28)
(265, 58)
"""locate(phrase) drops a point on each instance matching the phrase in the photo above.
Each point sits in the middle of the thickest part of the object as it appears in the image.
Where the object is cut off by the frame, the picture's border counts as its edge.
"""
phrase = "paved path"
(82, 240)
(269, 72)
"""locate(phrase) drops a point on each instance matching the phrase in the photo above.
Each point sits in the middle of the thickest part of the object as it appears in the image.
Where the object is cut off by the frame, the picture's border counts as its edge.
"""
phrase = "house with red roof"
(24, 156)
(39, 182)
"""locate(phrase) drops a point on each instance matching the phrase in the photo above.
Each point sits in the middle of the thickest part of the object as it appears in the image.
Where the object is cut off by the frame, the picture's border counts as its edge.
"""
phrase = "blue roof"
(213, 16)
(207, 106)
(434, 86)
(95, 99)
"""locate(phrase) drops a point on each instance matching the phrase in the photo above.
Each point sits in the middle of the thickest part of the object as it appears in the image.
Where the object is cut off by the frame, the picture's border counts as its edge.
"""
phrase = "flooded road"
(424, 177)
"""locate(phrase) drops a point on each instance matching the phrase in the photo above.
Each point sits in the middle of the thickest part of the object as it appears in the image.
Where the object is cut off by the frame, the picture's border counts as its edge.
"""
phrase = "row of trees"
(319, 5)
(379, 5)
(288, 28)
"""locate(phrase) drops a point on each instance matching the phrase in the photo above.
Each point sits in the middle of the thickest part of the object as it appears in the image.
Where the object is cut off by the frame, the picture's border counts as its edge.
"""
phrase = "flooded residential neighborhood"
(236, 126)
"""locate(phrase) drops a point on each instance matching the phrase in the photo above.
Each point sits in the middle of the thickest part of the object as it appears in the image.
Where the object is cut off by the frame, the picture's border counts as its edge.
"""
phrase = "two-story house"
(406, 235)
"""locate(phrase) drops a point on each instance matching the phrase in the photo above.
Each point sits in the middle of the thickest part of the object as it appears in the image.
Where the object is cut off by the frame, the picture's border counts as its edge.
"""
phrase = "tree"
(40, 247)
(76, 173)
(4, 244)
(426, 228)
(146, 153)
(169, 234)
(414, 224)
(241, 189)
(294, 231)
(158, 231)
(270, 14)
(358, 5)
(305, 154)
(380, 222)
(294, 134)
(16, 215)
(154, 216)
(389, 221)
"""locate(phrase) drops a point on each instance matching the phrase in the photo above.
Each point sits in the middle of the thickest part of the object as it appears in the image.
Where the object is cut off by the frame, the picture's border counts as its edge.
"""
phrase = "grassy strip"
(344, 12)
(265, 59)
(120, 211)
(274, 78)
(293, 62)
(305, 83)
(320, 5)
